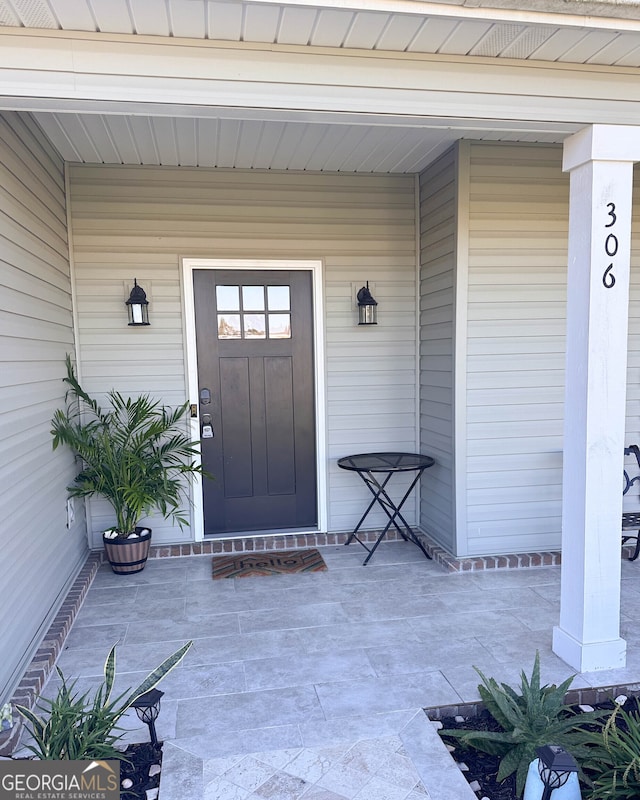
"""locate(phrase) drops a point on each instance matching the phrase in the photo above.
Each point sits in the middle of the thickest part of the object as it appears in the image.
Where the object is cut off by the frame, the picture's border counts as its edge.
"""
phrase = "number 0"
(611, 244)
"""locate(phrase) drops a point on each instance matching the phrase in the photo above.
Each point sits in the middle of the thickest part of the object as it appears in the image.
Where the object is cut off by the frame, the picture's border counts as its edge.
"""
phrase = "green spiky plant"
(613, 763)
(136, 454)
(78, 726)
(532, 718)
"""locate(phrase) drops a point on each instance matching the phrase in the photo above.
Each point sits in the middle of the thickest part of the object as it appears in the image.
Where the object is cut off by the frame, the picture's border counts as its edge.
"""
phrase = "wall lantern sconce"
(138, 306)
(367, 307)
(147, 708)
(556, 776)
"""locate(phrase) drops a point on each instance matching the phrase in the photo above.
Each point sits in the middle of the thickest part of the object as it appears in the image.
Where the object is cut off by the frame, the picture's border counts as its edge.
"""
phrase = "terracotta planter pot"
(127, 556)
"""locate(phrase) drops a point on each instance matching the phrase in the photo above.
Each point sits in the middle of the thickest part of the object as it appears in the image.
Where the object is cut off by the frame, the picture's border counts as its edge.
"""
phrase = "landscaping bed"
(141, 758)
(481, 769)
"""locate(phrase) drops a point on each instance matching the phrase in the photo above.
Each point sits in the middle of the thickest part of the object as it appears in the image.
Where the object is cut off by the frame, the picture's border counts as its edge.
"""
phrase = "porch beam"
(600, 162)
(56, 66)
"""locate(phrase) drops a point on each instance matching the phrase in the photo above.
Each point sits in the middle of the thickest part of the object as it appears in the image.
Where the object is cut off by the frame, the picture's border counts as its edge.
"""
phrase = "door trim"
(315, 267)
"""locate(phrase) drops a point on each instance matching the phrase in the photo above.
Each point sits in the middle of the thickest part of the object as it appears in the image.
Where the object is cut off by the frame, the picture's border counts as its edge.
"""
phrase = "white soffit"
(263, 144)
(394, 25)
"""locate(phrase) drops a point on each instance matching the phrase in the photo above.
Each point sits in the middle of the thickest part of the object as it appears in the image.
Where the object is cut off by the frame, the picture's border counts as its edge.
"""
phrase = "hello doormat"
(267, 562)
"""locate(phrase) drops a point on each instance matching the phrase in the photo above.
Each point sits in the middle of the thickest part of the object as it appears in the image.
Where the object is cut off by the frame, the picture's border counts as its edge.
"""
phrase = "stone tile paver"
(310, 687)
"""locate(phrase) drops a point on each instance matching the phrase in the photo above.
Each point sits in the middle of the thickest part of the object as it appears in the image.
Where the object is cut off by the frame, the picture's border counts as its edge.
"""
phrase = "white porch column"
(600, 159)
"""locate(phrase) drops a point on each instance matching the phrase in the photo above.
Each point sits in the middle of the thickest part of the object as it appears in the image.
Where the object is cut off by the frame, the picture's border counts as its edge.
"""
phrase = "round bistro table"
(376, 470)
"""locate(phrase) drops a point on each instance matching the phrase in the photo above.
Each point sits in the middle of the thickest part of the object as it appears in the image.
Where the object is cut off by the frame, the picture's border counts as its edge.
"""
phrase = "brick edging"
(551, 558)
(244, 544)
(50, 647)
(591, 695)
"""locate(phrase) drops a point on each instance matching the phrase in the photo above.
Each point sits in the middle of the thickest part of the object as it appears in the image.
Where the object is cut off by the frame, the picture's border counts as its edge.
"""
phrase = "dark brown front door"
(254, 333)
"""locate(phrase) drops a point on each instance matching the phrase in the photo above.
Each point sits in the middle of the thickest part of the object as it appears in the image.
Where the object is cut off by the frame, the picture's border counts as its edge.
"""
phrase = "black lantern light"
(367, 307)
(138, 306)
(147, 708)
(555, 765)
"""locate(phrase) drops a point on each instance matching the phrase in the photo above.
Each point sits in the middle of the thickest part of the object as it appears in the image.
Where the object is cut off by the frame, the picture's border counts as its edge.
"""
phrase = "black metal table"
(376, 470)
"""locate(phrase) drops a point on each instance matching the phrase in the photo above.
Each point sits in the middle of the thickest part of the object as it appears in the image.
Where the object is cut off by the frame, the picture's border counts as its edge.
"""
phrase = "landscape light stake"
(147, 708)
(555, 766)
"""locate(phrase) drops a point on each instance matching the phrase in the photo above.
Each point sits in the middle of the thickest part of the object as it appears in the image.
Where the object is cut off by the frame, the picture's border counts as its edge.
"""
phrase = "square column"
(600, 160)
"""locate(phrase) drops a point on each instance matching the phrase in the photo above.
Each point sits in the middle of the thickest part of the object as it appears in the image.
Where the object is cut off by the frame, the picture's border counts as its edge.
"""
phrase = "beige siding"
(39, 555)
(138, 222)
(518, 228)
(632, 500)
(518, 235)
(438, 254)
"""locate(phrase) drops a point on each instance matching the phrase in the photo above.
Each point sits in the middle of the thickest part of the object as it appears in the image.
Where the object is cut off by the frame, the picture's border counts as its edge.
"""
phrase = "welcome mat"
(267, 562)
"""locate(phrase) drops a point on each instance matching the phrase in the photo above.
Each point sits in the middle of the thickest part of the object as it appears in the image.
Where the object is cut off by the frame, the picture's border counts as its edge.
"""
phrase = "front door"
(254, 335)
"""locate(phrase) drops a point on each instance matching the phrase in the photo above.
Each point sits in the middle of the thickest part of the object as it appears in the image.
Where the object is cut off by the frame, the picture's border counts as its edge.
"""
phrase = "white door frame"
(315, 267)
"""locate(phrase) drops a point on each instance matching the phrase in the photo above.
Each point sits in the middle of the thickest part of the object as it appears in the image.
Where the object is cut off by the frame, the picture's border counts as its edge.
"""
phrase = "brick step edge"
(296, 541)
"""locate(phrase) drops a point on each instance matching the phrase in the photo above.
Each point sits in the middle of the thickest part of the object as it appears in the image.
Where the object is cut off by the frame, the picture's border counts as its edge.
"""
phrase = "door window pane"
(254, 326)
(229, 326)
(253, 298)
(228, 298)
(279, 326)
(278, 297)
(239, 304)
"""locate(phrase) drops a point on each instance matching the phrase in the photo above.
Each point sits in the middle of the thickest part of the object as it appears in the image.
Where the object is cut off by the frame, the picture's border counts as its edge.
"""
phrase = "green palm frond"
(136, 453)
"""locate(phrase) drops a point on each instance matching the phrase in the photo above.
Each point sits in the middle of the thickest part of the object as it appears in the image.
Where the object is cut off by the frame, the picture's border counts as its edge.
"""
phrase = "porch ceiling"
(268, 143)
(595, 33)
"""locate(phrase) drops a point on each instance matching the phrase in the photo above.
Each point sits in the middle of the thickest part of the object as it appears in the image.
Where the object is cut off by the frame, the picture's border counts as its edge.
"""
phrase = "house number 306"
(610, 247)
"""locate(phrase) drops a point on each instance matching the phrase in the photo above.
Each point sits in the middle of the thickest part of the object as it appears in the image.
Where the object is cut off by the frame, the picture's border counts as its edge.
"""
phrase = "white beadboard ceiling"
(255, 144)
(277, 143)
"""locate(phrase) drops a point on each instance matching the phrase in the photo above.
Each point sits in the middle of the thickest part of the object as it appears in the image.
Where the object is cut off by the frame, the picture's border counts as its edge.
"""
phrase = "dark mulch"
(141, 757)
(483, 767)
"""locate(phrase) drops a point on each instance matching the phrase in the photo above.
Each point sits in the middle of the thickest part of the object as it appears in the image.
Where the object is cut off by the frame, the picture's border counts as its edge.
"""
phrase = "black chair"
(631, 520)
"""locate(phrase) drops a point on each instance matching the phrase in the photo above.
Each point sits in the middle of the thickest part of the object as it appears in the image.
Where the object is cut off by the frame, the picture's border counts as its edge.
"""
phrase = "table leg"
(392, 511)
(380, 487)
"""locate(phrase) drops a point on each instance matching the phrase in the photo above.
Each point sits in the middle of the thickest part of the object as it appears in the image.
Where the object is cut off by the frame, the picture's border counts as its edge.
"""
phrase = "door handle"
(206, 430)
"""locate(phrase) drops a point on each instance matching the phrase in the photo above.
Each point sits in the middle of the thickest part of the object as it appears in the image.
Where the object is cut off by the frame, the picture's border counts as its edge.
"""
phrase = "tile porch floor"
(310, 686)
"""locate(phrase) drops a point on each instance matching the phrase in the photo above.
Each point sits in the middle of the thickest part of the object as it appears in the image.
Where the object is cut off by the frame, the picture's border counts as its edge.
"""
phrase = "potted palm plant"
(136, 455)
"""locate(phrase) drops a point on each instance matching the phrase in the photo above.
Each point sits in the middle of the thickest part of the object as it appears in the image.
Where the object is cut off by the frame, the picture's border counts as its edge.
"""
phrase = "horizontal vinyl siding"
(137, 222)
(438, 220)
(518, 229)
(632, 499)
(40, 556)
